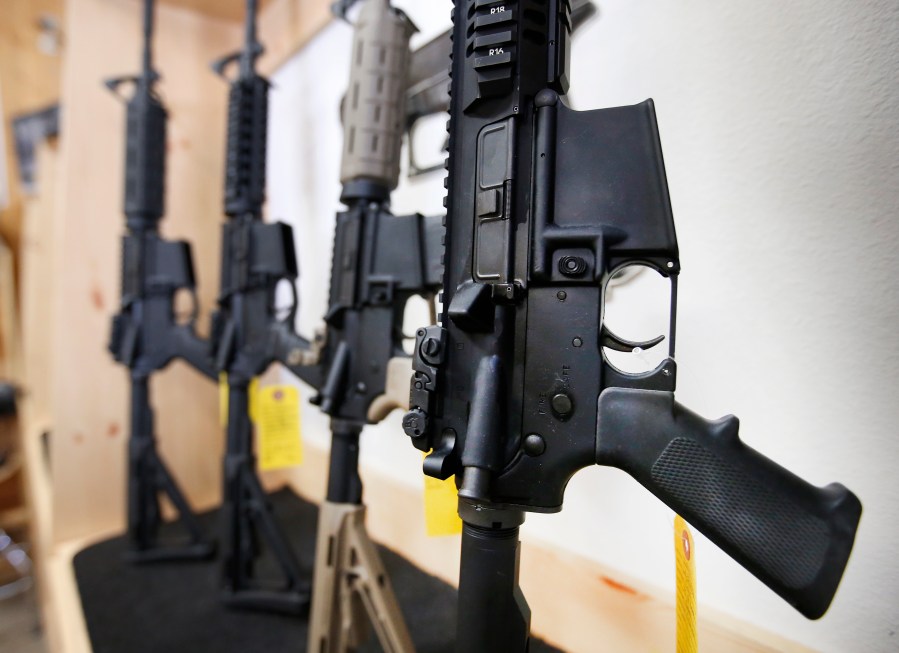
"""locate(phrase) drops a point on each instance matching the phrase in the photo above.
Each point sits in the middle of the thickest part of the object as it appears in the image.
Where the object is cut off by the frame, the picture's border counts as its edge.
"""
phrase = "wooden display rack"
(66, 240)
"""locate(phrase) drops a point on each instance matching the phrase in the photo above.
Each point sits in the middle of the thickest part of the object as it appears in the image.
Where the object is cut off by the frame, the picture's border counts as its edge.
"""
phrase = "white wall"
(780, 137)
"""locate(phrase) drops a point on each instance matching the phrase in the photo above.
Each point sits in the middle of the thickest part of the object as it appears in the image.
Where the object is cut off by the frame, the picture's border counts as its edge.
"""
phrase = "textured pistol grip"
(795, 537)
(374, 108)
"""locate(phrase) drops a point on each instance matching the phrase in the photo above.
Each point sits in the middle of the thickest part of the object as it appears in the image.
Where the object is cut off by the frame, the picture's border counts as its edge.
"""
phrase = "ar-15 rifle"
(429, 80)
(513, 393)
(380, 261)
(145, 333)
(249, 336)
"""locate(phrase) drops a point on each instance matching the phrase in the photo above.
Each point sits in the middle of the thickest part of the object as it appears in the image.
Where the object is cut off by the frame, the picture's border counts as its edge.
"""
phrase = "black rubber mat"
(175, 608)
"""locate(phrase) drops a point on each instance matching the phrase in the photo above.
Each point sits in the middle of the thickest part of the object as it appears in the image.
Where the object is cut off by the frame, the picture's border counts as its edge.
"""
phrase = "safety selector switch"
(491, 46)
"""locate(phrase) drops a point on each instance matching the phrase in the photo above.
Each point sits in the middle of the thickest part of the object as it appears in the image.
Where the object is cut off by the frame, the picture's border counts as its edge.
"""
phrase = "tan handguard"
(374, 109)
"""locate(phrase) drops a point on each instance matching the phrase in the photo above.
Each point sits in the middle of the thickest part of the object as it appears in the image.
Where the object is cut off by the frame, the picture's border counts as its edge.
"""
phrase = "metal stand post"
(148, 478)
(247, 514)
(494, 616)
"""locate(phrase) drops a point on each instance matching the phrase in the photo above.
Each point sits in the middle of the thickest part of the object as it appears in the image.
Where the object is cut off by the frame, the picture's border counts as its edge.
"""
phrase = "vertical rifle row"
(511, 392)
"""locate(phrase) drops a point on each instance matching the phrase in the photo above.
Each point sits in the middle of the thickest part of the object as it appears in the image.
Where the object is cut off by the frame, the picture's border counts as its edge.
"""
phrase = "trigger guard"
(289, 320)
(195, 307)
(666, 267)
(663, 377)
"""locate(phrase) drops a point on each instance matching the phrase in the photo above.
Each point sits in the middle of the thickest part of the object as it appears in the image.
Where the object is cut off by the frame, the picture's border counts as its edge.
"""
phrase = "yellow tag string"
(685, 566)
(441, 507)
(276, 412)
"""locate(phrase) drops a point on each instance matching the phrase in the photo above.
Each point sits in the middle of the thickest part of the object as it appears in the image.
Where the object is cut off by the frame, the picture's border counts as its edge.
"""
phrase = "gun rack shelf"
(65, 242)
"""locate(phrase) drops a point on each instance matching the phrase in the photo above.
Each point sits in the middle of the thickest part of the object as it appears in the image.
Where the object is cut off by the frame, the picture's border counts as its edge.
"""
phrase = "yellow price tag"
(277, 415)
(223, 398)
(685, 567)
(441, 507)
(252, 399)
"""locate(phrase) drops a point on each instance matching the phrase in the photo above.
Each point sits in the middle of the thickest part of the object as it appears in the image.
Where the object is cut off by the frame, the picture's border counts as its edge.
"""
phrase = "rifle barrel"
(148, 39)
(252, 48)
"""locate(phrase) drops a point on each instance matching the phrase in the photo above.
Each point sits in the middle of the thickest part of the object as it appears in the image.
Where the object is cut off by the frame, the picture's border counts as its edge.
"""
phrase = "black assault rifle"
(249, 336)
(380, 261)
(146, 335)
(512, 391)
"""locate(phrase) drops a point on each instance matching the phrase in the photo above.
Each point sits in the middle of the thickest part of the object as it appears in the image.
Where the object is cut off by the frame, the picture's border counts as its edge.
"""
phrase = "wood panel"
(285, 26)
(67, 630)
(38, 274)
(231, 10)
(29, 79)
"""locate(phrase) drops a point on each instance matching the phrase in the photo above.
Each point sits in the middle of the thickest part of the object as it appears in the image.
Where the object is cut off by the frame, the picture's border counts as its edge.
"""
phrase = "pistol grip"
(193, 349)
(794, 537)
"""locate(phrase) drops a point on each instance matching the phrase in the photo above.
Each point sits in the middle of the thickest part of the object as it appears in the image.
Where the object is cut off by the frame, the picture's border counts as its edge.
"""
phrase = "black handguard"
(513, 393)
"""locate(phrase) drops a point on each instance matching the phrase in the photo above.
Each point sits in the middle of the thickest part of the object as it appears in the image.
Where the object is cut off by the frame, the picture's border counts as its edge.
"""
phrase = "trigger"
(617, 343)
